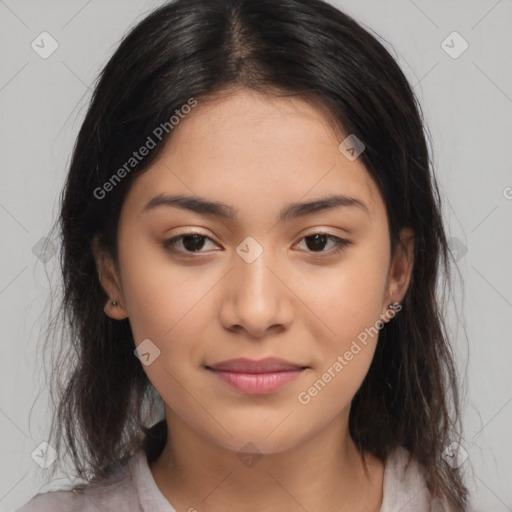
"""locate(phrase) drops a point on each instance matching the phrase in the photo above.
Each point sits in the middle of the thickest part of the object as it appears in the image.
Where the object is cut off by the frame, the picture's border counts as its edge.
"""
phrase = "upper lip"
(244, 365)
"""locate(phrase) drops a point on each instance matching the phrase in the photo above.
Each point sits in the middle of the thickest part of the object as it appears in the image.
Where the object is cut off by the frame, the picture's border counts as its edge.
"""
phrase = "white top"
(132, 489)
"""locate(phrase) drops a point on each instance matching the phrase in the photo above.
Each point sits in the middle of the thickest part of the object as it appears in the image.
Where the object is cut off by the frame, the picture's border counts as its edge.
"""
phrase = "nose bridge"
(254, 282)
(256, 298)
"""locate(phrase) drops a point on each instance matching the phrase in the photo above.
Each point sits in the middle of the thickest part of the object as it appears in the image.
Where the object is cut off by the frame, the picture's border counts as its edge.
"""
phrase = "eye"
(317, 241)
(191, 242)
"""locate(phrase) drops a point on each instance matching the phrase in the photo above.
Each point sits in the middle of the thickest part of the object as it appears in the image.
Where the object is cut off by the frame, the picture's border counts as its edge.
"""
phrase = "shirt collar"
(150, 497)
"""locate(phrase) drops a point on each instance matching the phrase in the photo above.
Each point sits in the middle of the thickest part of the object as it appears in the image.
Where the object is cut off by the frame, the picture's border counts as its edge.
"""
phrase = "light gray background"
(468, 105)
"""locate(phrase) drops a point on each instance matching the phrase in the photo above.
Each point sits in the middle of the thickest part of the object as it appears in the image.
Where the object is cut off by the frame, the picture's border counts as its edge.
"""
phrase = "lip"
(256, 377)
(266, 365)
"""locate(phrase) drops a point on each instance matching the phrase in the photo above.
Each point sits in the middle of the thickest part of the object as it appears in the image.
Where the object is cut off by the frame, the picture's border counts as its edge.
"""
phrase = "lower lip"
(257, 383)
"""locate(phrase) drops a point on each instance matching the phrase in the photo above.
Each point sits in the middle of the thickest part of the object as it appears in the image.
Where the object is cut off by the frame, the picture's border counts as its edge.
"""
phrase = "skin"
(257, 154)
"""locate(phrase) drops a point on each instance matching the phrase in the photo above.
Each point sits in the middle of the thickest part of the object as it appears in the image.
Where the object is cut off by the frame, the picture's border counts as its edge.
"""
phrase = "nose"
(256, 299)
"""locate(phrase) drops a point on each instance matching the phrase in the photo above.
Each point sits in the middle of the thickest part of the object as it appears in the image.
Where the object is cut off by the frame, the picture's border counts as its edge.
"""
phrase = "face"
(304, 288)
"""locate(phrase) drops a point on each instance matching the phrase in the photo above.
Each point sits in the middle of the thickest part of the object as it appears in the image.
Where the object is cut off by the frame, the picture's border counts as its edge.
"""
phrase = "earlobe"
(115, 310)
(109, 281)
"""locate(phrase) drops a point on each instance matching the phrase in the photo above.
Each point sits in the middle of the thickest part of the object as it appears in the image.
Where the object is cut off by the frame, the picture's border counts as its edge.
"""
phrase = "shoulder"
(404, 485)
(117, 492)
(57, 501)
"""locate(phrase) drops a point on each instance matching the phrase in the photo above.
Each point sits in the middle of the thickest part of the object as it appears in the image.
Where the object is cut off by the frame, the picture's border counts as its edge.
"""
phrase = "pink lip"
(256, 377)
(257, 383)
(244, 365)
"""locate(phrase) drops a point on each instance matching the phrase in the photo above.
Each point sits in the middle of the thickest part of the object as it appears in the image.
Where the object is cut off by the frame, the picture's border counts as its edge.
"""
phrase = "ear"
(401, 268)
(110, 281)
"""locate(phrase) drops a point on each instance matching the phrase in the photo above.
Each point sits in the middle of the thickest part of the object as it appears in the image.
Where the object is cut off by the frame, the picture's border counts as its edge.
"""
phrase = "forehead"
(253, 151)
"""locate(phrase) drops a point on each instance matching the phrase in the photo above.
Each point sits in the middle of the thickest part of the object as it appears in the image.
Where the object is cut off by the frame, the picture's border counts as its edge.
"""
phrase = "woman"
(251, 228)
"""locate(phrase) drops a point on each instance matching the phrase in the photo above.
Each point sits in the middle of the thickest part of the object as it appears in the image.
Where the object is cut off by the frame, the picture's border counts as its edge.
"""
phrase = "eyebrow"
(203, 206)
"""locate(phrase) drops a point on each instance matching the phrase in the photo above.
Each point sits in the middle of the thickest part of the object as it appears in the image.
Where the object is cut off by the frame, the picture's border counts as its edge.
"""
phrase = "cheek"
(344, 358)
(157, 292)
(166, 305)
(349, 302)
(347, 298)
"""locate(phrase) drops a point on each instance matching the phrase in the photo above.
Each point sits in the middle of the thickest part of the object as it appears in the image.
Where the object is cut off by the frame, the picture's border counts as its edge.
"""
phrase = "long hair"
(196, 49)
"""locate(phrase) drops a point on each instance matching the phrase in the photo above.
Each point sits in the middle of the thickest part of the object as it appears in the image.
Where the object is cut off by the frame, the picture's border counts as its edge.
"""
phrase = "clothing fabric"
(132, 489)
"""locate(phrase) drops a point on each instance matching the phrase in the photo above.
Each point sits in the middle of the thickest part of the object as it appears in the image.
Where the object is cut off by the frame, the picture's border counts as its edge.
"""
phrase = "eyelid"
(193, 231)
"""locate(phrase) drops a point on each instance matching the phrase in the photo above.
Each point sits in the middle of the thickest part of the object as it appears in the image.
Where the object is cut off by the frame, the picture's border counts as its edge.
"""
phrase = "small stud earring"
(109, 303)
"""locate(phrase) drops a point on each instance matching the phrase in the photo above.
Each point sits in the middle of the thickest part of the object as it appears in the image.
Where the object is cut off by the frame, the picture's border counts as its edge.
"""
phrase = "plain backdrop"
(467, 101)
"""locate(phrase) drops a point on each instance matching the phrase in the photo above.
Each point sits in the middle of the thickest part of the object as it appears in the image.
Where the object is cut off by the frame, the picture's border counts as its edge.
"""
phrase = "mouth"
(267, 365)
(256, 377)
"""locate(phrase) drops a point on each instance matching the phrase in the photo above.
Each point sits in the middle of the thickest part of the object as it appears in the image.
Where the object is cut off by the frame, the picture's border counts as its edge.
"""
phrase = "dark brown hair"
(197, 49)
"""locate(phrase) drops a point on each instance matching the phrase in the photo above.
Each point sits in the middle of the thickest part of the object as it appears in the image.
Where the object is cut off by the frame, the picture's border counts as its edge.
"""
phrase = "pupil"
(316, 239)
(197, 242)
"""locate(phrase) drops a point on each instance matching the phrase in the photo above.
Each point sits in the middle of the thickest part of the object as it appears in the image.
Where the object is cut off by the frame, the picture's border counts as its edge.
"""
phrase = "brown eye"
(317, 242)
(190, 243)
(193, 242)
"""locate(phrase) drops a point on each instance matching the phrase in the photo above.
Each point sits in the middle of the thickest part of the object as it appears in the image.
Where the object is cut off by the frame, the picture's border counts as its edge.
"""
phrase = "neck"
(324, 473)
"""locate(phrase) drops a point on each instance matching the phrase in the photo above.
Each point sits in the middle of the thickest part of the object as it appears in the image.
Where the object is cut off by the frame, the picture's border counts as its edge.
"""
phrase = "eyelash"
(340, 244)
